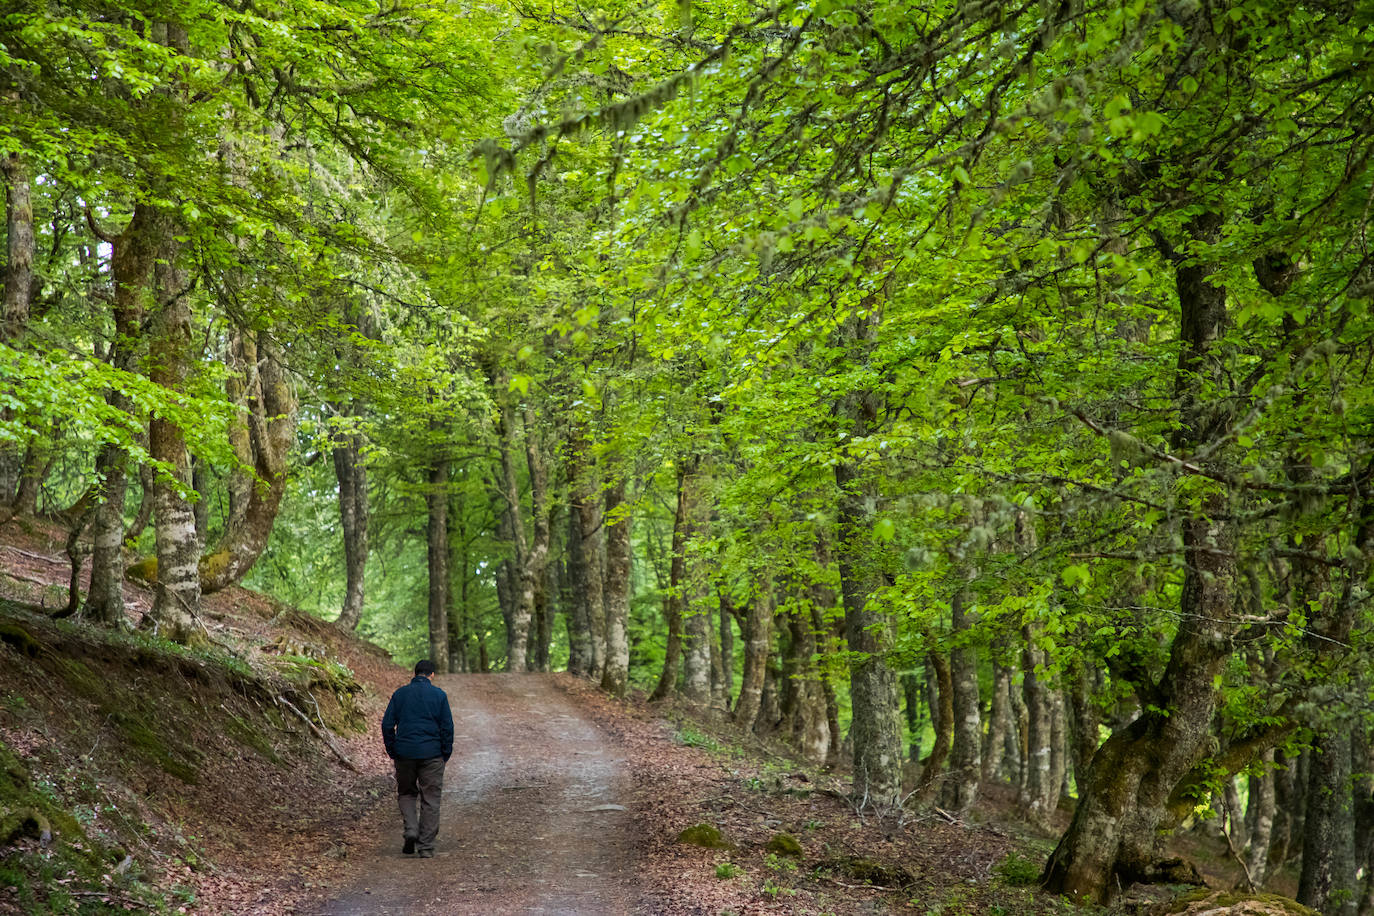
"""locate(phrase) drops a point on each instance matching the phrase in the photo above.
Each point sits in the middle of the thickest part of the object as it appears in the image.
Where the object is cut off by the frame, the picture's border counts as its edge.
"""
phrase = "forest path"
(520, 830)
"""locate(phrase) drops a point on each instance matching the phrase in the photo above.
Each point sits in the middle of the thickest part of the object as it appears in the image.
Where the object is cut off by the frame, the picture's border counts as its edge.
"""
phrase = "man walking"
(418, 732)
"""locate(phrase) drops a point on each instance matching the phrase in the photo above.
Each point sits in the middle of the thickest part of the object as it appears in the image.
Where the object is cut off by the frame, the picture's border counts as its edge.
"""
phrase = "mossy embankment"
(132, 768)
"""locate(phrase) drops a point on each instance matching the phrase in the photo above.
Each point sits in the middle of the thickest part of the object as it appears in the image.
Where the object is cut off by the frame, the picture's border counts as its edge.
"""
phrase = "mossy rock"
(870, 871)
(704, 835)
(1231, 903)
(784, 844)
(145, 570)
(24, 811)
(20, 638)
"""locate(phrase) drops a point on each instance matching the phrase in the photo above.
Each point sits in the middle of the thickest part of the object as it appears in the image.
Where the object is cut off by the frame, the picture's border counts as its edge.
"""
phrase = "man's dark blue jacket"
(418, 723)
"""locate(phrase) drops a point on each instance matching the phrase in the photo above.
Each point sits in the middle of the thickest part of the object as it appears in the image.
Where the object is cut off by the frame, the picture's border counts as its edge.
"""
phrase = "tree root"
(322, 733)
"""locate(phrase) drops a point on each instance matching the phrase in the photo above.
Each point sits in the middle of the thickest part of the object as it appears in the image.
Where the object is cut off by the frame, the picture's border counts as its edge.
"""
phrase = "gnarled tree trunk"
(271, 429)
(1125, 798)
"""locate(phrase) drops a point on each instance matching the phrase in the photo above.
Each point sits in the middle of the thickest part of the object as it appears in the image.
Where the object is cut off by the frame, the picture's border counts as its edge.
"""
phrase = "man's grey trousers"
(419, 783)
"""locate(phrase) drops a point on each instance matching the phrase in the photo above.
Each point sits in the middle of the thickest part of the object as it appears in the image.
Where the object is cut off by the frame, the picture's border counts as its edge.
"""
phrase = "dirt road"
(533, 818)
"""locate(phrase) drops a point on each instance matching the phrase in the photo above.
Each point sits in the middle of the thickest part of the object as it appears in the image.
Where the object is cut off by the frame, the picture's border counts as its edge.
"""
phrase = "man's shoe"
(409, 847)
(426, 853)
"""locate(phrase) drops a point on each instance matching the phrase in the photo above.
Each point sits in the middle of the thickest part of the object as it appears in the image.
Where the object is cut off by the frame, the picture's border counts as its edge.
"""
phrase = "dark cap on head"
(424, 666)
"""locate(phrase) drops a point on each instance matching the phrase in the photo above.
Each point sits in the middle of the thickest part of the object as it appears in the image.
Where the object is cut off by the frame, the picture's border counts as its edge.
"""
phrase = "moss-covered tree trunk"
(518, 606)
(994, 753)
(350, 470)
(579, 577)
(723, 689)
(177, 602)
(14, 300)
(1039, 792)
(1328, 881)
(695, 688)
(532, 572)
(1124, 799)
(758, 633)
(940, 696)
(677, 581)
(616, 589)
(21, 245)
(965, 765)
(271, 421)
(132, 255)
(810, 726)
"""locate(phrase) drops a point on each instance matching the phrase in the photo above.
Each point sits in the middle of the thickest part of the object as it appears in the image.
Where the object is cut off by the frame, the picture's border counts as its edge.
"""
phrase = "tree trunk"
(33, 469)
(144, 515)
(133, 253)
(912, 688)
(1085, 722)
(533, 570)
(547, 599)
(1125, 801)
(822, 602)
(940, 692)
(961, 788)
(1327, 882)
(1329, 862)
(727, 647)
(720, 688)
(616, 591)
(1259, 816)
(271, 428)
(696, 618)
(200, 482)
(521, 603)
(677, 581)
(22, 245)
(585, 537)
(579, 577)
(810, 728)
(1362, 766)
(177, 602)
(1290, 801)
(1041, 793)
(241, 388)
(999, 720)
(1234, 812)
(770, 700)
(758, 623)
(458, 607)
(436, 538)
(351, 472)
